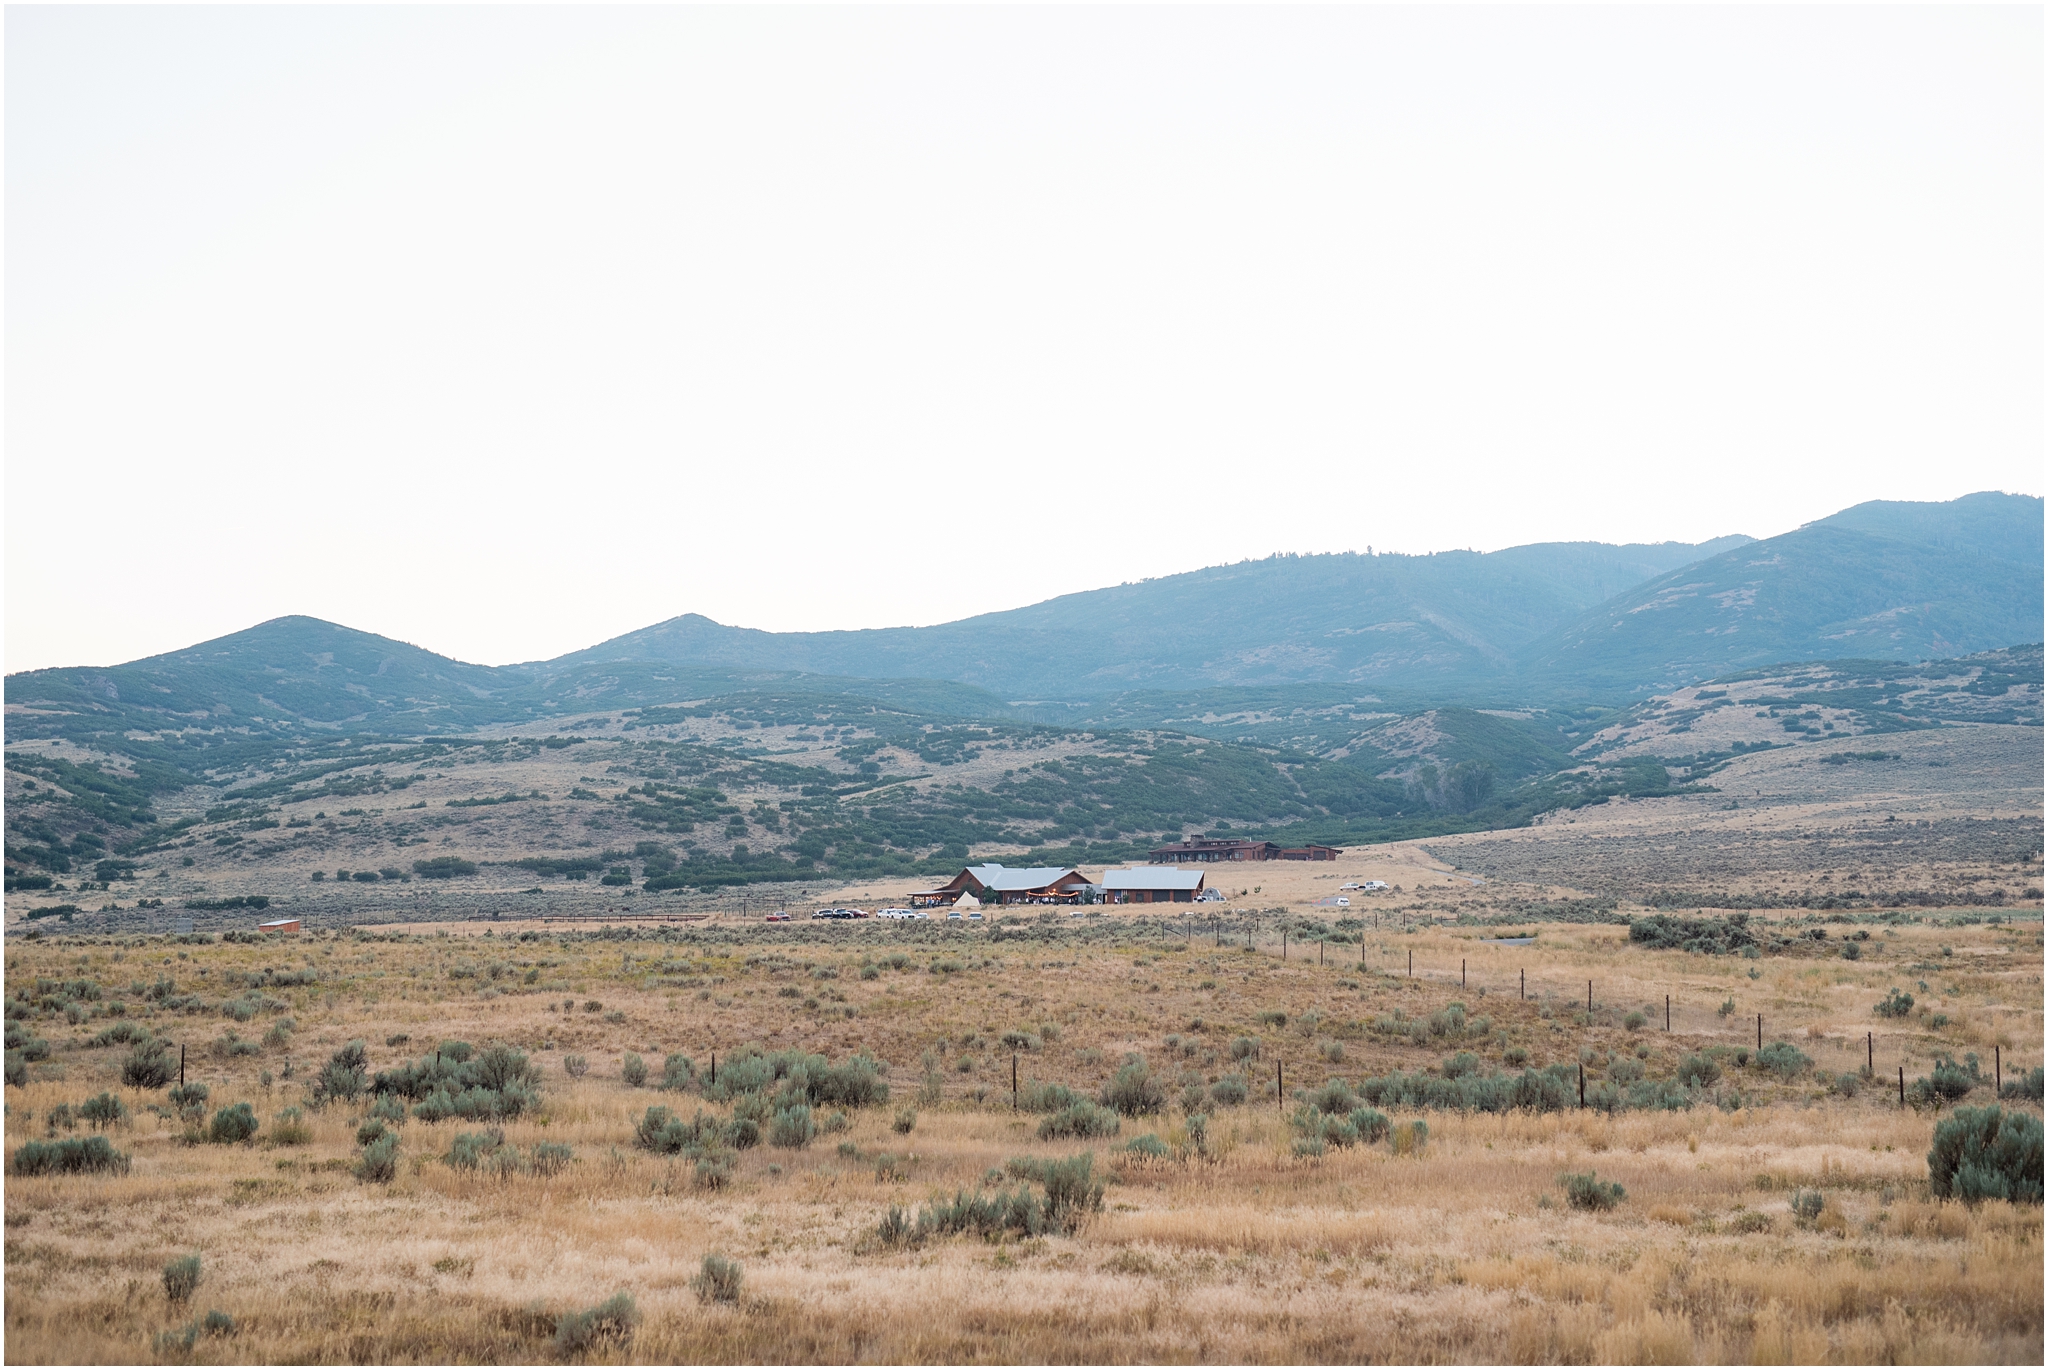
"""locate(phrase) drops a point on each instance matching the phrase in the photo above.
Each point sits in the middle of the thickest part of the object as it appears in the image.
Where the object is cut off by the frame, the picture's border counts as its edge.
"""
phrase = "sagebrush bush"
(1807, 1205)
(469, 1150)
(456, 1082)
(2027, 1086)
(1230, 1091)
(1783, 1059)
(103, 1111)
(288, 1127)
(551, 1158)
(1947, 1082)
(633, 1070)
(718, 1279)
(181, 1278)
(714, 1170)
(149, 1065)
(575, 1067)
(1043, 1098)
(93, 1155)
(345, 1076)
(1148, 1145)
(1134, 1090)
(906, 1121)
(1986, 1153)
(1081, 1119)
(1587, 1191)
(1698, 1071)
(235, 1123)
(378, 1163)
(792, 1127)
(609, 1323)
(1244, 1048)
(678, 1072)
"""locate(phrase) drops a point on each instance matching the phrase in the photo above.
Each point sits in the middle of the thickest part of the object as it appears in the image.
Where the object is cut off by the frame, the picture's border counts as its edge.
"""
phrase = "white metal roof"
(1005, 879)
(1152, 878)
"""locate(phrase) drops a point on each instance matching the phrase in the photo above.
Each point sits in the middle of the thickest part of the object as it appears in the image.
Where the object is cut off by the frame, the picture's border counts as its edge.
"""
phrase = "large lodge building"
(1222, 849)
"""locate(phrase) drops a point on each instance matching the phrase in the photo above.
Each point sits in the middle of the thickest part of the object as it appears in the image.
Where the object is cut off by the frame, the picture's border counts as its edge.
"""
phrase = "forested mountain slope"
(1449, 620)
(1884, 580)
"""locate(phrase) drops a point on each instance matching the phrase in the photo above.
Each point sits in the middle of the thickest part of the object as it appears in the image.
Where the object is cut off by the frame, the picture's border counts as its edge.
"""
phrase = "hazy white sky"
(504, 331)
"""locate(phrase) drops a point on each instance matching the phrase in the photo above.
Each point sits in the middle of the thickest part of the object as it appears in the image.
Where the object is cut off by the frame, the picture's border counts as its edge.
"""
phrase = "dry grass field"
(1779, 1217)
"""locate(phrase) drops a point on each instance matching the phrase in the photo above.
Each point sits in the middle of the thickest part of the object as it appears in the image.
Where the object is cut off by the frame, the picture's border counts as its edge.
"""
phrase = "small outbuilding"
(1311, 852)
(279, 925)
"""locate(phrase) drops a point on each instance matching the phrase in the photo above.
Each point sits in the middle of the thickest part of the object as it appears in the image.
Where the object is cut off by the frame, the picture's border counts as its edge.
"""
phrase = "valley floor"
(1241, 1250)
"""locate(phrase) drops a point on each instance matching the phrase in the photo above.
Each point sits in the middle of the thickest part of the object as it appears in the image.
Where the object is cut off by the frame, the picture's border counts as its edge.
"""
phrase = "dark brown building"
(1311, 852)
(1213, 849)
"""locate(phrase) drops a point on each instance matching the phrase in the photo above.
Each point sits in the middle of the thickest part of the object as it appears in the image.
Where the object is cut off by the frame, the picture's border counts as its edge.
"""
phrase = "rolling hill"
(1884, 580)
(1451, 620)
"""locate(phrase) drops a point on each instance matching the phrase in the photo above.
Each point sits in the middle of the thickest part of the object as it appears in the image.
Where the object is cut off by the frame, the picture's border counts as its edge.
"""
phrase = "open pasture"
(1771, 1212)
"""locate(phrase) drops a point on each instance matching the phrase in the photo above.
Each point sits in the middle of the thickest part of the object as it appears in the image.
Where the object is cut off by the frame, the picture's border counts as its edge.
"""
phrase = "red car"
(776, 918)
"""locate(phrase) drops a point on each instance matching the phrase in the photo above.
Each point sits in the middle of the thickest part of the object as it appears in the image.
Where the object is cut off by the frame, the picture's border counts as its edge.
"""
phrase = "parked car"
(776, 918)
(839, 913)
(898, 913)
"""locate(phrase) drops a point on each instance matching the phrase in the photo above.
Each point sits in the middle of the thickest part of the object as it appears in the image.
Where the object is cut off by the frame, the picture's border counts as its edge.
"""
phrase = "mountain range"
(1547, 625)
(1331, 698)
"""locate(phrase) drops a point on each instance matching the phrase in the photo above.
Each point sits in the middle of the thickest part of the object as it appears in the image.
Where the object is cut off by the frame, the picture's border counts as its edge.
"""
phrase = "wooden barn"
(1311, 852)
(1152, 885)
(995, 884)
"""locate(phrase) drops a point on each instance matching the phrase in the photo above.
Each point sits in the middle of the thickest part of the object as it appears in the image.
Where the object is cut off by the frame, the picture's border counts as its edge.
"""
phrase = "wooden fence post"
(1667, 1013)
(1525, 982)
(1582, 1084)
(1759, 1032)
(1461, 972)
(714, 1067)
(1902, 1086)
(1589, 996)
(1280, 1085)
(1013, 1081)
(1870, 1053)
(1997, 1072)
(181, 1065)
(1411, 965)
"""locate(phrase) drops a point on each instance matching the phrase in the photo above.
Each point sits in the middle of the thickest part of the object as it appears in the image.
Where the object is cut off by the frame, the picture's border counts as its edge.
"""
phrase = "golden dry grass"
(1463, 1253)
